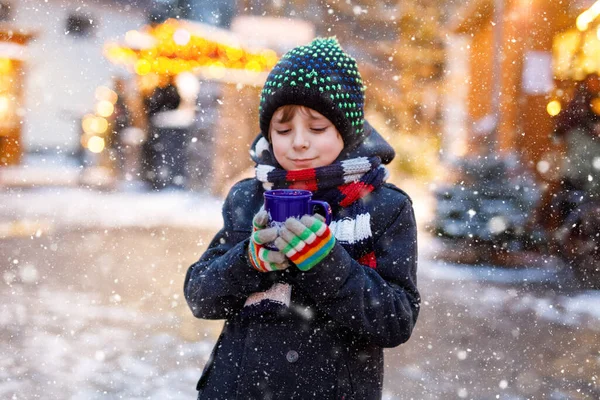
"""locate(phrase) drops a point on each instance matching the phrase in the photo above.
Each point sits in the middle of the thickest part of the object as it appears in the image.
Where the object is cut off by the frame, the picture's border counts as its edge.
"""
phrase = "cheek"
(279, 148)
(333, 147)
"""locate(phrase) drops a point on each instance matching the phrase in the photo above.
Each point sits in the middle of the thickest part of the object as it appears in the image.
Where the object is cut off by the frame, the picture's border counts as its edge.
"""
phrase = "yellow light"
(253, 66)
(105, 108)
(553, 108)
(120, 55)
(87, 123)
(93, 125)
(594, 10)
(5, 65)
(4, 105)
(143, 67)
(100, 125)
(95, 144)
(104, 93)
(588, 16)
(175, 49)
(583, 20)
(270, 58)
(162, 65)
(596, 106)
(234, 54)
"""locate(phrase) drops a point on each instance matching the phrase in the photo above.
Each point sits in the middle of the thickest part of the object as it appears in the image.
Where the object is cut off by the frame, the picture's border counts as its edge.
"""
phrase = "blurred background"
(123, 123)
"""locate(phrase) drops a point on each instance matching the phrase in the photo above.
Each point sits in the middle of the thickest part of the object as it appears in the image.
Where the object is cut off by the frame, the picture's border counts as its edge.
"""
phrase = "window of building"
(79, 25)
(5, 11)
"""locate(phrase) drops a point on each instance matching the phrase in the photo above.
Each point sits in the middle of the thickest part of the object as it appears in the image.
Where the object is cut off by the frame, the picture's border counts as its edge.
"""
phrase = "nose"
(300, 140)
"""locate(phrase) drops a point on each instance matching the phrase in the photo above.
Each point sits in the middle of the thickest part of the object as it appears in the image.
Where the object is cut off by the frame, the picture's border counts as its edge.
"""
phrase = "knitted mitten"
(306, 241)
(263, 259)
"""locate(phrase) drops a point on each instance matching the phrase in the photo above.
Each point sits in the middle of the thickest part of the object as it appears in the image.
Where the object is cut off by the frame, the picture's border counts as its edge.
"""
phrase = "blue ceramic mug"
(282, 204)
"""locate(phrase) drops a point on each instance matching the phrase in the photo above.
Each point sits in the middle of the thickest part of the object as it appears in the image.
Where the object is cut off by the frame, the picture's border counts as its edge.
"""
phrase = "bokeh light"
(95, 144)
(553, 108)
(143, 67)
(105, 93)
(105, 108)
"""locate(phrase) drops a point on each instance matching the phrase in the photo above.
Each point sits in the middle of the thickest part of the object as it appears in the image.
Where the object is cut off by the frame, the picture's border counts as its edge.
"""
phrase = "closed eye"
(283, 131)
(319, 129)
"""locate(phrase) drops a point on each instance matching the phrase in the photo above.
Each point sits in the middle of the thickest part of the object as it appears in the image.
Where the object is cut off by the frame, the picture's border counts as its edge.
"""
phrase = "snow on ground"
(457, 272)
(83, 207)
(90, 208)
(44, 191)
(91, 350)
(64, 342)
(501, 288)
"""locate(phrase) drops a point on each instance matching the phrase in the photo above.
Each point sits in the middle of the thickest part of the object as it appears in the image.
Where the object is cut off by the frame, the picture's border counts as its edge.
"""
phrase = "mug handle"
(326, 209)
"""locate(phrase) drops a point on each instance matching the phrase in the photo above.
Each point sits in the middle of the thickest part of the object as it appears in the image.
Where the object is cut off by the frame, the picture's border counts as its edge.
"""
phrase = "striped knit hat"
(320, 76)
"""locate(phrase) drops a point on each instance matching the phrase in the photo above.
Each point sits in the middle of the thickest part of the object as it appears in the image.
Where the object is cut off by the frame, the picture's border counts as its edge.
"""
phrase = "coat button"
(292, 356)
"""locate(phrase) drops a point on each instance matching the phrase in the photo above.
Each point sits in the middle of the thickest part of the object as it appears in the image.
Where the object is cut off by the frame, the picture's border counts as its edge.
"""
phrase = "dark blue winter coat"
(329, 343)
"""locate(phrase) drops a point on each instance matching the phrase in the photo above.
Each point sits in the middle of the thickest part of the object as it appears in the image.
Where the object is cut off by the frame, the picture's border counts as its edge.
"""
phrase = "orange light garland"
(167, 57)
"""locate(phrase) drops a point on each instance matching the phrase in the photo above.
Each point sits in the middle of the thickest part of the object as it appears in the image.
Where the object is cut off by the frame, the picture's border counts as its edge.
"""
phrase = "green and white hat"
(320, 76)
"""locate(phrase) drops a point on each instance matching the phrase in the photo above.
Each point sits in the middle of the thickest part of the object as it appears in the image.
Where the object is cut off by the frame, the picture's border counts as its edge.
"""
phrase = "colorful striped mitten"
(263, 259)
(306, 241)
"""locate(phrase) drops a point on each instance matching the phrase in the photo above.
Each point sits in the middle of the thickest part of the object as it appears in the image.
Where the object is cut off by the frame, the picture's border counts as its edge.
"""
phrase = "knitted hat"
(320, 76)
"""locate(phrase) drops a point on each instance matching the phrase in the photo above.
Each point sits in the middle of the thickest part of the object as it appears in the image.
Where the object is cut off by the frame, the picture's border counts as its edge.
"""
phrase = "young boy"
(310, 320)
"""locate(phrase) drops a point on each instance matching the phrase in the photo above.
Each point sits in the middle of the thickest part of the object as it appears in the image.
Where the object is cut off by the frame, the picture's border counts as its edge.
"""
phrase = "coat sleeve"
(217, 285)
(379, 304)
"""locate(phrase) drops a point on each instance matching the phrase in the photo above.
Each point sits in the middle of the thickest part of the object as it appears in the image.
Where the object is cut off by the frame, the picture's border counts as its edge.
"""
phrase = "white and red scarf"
(343, 185)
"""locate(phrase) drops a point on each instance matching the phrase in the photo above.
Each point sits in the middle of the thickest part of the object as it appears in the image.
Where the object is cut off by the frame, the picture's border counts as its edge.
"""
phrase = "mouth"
(303, 161)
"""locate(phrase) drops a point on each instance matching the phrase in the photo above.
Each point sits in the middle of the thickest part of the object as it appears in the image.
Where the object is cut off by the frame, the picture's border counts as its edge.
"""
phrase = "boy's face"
(304, 138)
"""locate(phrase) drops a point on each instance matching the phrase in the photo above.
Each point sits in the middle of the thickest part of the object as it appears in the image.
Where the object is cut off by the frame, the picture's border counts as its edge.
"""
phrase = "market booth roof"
(177, 46)
(13, 41)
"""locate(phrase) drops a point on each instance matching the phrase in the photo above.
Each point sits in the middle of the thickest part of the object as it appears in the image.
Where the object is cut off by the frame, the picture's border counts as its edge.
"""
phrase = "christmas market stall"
(12, 75)
(575, 106)
(186, 75)
(517, 190)
(487, 207)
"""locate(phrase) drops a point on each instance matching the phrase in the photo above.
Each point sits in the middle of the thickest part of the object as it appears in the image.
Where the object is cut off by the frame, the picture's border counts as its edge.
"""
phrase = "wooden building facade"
(510, 72)
(12, 75)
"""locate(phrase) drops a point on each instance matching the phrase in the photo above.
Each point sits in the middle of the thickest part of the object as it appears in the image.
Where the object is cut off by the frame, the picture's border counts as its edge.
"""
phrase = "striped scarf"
(343, 185)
